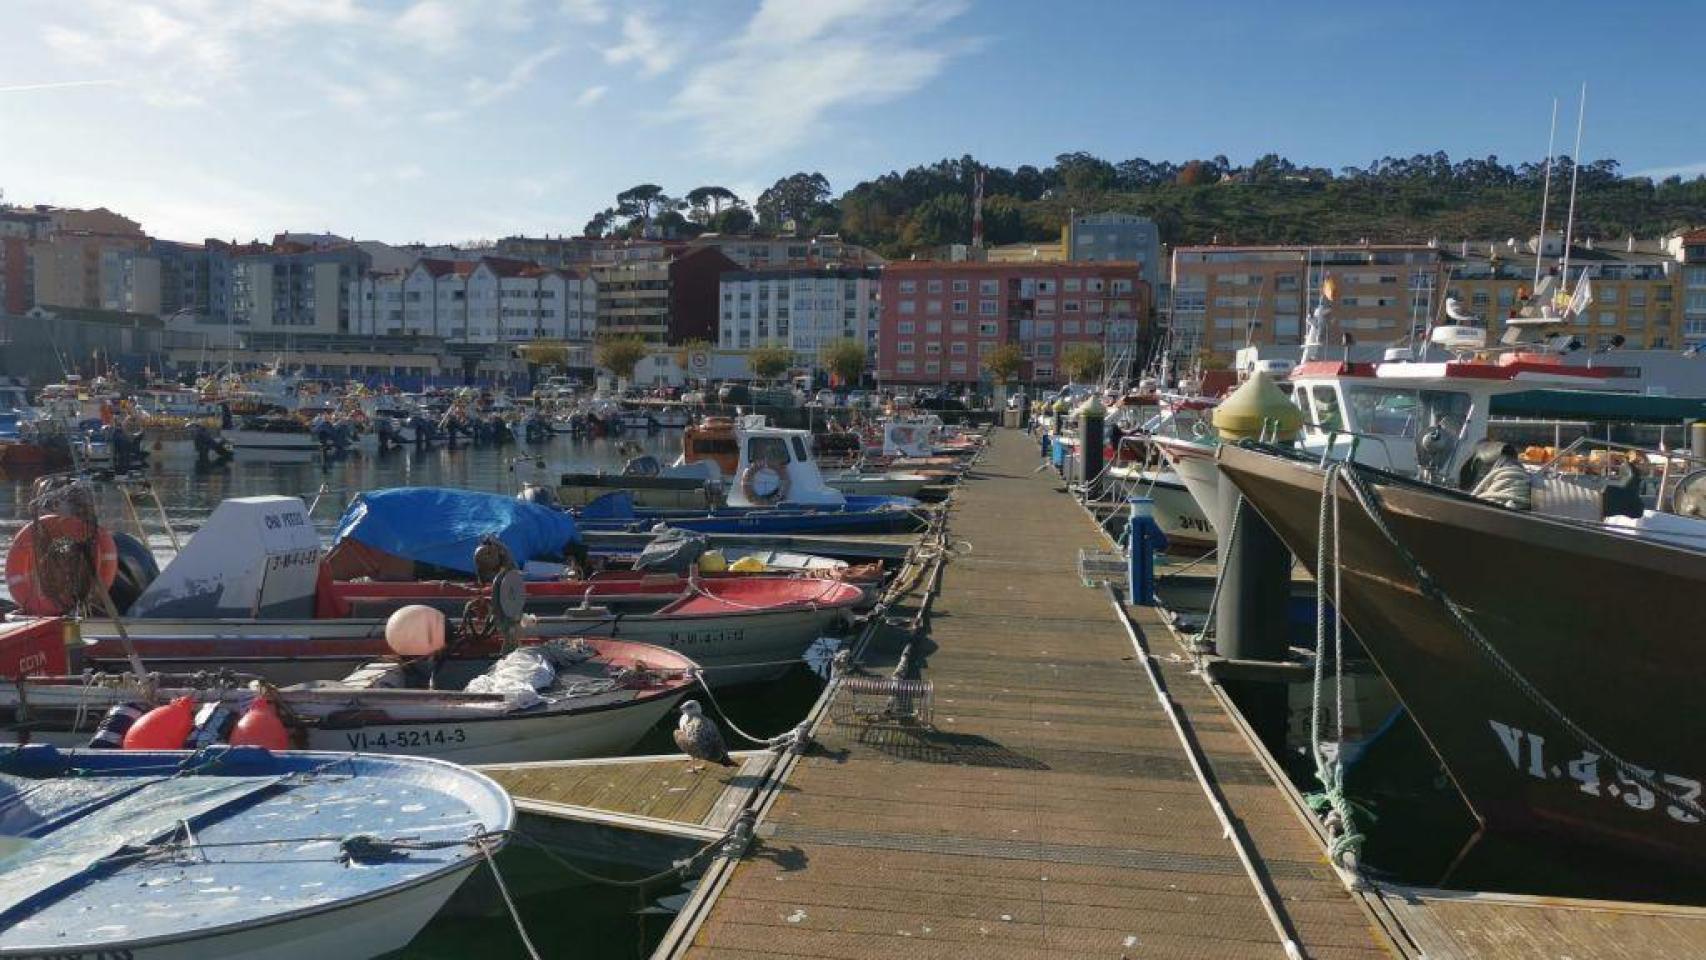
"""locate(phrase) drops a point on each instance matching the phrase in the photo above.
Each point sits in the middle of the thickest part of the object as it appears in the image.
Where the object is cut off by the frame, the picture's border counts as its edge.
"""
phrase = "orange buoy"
(36, 571)
(163, 728)
(260, 726)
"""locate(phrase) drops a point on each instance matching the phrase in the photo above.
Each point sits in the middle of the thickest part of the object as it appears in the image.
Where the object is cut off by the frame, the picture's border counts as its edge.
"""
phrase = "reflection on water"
(189, 494)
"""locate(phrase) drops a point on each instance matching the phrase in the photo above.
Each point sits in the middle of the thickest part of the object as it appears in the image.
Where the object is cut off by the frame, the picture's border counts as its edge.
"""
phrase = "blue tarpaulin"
(442, 527)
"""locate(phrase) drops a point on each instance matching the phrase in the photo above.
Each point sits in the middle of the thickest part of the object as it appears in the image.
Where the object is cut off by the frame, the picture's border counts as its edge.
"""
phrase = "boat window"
(714, 446)
(800, 450)
(767, 450)
(1384, 411)
(1326, 402)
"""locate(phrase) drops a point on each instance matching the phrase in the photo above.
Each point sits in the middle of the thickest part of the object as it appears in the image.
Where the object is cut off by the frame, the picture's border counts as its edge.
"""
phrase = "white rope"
(503, 888)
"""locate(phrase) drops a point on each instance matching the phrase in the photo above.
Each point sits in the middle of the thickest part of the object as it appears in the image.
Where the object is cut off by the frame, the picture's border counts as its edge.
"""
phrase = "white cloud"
(643, 44)
(591, 95)
(585, 11)
(482, 91)
(794, 64)
(435, 26)
(56, 85)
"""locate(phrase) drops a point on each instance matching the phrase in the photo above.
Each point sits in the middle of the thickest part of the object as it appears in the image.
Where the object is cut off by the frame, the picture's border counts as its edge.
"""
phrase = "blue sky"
(446, 120)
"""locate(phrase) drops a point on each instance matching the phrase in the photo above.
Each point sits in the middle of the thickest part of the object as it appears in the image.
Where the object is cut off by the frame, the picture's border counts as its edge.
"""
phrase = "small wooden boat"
(233, 852)
(562, 700)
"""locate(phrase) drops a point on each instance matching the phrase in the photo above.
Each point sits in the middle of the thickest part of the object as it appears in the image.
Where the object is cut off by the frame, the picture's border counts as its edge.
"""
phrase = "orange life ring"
(749, 483)
(30, 584)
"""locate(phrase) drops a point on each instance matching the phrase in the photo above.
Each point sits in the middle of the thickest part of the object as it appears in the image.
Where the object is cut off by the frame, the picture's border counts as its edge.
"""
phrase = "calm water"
(588, 923)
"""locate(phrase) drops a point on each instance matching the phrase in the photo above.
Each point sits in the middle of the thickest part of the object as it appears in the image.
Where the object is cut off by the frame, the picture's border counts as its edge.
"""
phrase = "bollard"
(1697, 438)
(1250, 623)
(1092, 418)
(1144, 539)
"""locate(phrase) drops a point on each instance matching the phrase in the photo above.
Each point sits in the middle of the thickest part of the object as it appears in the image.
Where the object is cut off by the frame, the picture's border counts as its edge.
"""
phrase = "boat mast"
(1575, 173)
(1545, 197)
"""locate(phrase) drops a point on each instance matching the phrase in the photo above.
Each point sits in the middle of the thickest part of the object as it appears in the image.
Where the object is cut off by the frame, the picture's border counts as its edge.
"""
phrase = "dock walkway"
(1052, 811)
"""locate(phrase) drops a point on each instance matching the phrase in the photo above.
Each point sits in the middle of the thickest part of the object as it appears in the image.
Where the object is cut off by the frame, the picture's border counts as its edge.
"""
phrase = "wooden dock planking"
(1051, 813)
(1464, 926)
(663, 789)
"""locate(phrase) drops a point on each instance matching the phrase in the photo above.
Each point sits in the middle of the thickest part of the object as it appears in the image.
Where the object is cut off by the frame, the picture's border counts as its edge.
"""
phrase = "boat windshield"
(772, 450)
(1405, 412)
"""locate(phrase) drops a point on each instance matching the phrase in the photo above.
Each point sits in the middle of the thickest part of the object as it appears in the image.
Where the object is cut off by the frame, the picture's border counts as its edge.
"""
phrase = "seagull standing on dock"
(699, 738)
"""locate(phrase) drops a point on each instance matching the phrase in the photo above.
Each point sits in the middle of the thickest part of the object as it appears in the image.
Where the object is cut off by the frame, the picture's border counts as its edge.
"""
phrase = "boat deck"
(1051, 810)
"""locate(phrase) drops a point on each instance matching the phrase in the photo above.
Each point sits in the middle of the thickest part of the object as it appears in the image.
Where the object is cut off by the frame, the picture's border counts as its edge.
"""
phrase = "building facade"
(1225, 298)
(803, 310)
(940, 318)
(1121, 237)
(662, 293)
(787, 252)
(490, 301)
(294, 287)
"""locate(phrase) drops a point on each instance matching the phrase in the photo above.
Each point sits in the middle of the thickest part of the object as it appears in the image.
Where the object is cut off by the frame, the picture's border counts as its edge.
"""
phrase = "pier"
(1053, 808)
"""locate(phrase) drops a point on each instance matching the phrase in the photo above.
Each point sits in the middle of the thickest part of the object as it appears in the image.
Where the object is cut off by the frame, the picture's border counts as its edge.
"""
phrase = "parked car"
(857, 398)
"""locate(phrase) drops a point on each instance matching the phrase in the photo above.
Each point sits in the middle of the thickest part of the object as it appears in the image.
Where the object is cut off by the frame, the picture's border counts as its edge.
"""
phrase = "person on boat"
(1495, 474)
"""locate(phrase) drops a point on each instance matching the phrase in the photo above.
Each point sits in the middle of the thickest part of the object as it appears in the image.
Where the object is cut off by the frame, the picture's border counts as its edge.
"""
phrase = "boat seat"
(1573, 498)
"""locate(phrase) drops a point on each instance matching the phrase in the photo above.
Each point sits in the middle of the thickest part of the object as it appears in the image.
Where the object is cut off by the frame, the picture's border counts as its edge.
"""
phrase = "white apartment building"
(488, 301)
(803, 310)
(788, 252)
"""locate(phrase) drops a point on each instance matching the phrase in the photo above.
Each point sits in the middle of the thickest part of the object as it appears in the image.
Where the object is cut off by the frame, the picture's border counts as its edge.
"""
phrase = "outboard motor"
(535, 493)
(209, 449)
(137, 568)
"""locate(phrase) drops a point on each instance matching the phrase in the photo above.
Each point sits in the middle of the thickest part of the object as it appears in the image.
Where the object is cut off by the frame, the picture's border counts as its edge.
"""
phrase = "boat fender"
(748, 564)
(713, 561)
(137, 568)
(213, 723)
(260, 726)
(749, 482)
(416, 630)
(163, 728)
(109, 733)
(44, 567)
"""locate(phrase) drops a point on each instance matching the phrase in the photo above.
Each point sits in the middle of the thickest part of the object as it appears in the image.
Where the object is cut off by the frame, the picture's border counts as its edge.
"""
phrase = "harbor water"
(602, 923)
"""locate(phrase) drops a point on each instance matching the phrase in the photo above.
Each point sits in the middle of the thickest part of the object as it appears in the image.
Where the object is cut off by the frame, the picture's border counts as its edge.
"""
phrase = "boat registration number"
(1188, 522)
(702, 637)
(1527, 753)
(406, 739)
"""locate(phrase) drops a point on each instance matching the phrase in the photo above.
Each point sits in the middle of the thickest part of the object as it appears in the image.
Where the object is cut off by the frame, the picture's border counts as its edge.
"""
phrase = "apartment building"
(1638, 287)
(939, 318)
(787, 252)
(70, 250)
(19, 227)
(664, 293)
(803, 310)
(1225, 298)
(493, 300)
(293, 286)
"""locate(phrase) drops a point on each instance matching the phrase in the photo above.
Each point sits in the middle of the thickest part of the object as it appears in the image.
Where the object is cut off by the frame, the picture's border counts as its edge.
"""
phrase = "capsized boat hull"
(1600, 624)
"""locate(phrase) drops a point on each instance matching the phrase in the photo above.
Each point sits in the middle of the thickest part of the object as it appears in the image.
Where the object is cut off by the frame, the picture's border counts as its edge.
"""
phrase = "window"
(1069, 327)
(1093, 285)
(1608, 318)
(985, 347)
(962, 286)
(958, 348)
(989, 308)
(1124, 286)
(905, 366)
(1045, 288)
(1606, 295)
(932, 326)
(905, 327)
(1045, 328)
(932, 347)
(1045, 306)
(766, 450)
(909, 286)
(989, 288)
(988, 328)
(1045, 349)
(908, 307)
(958, 326)
(932, 306)
(1073, 285)
(957, 366)
(935, 286)
(1092, 306)
(799, 450)
(905, 347)
(962, 306)
(1093, 326)
(1070, 306)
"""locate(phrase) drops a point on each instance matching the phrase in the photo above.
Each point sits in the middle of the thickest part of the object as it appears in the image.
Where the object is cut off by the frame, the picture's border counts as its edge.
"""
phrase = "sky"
(451, 120)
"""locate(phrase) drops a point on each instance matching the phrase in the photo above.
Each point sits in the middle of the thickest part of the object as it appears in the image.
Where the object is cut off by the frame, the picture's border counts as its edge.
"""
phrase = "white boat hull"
(516, 738)
(877, 484)
(272, 447)
(357, 931)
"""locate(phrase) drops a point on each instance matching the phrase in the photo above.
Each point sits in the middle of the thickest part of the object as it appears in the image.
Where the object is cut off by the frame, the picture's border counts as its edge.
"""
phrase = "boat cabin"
(1419, 418)
(776, 467)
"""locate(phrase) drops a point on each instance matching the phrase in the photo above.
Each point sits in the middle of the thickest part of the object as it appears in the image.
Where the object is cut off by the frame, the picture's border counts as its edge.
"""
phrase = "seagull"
(699, 738)
(1455, 311)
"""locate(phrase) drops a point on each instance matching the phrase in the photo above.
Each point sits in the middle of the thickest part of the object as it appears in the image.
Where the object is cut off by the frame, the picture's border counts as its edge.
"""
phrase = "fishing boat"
(1545, 658)
(556, 700)
(234, 852)
(890, 483)
(251, 591)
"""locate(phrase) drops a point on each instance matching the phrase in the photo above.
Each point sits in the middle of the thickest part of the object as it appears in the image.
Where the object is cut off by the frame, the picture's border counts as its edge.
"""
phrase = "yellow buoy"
(748, 564)
(713, 561)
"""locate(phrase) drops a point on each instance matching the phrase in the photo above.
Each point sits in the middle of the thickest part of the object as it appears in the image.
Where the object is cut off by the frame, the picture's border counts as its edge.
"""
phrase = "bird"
(1455, 311)
(699, 738)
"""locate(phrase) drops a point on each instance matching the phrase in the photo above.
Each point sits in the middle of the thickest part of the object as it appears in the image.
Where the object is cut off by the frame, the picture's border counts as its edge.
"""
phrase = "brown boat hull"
(1599, 624)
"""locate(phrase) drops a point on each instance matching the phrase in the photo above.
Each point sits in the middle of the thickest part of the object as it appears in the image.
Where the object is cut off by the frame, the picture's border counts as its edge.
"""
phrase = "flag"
(1582, 298)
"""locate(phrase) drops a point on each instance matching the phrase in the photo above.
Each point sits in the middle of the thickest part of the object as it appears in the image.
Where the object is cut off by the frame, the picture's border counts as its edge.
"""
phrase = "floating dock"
(1052, 810)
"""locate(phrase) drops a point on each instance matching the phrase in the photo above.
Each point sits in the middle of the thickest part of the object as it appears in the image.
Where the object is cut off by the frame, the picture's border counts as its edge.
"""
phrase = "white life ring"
(749, 482)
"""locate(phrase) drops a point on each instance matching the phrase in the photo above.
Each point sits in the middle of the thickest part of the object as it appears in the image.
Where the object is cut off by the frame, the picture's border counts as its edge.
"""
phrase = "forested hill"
(1269, 201)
